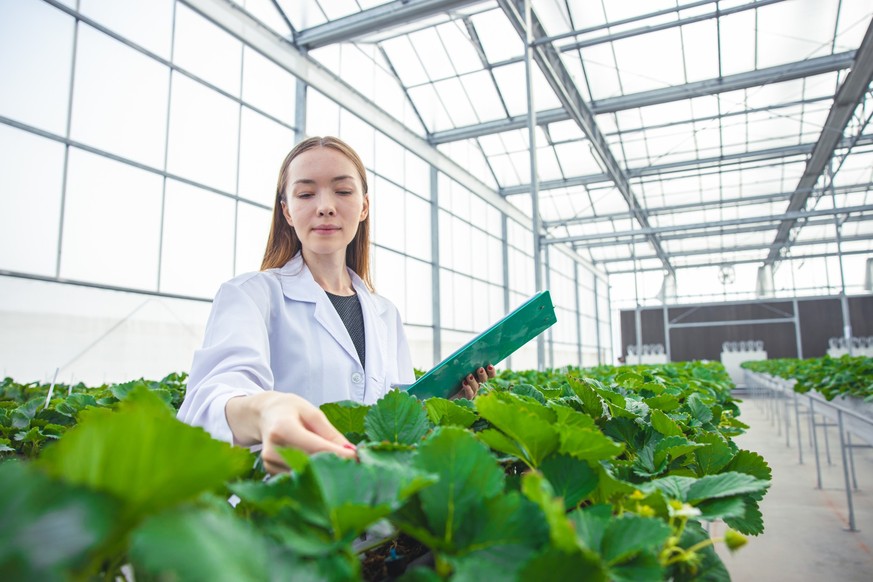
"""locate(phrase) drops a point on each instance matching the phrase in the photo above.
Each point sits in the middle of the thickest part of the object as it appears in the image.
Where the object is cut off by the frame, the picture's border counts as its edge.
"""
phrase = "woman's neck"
(330, 273)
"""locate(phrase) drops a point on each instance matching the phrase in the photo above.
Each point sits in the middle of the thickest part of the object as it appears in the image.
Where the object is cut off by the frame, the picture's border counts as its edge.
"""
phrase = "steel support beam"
(639, 269)
(848, 96)
(561, 82)
(700, 205)
(736, 249)
(377, 19)
(690, 164)
(797, 215)
(769, 75)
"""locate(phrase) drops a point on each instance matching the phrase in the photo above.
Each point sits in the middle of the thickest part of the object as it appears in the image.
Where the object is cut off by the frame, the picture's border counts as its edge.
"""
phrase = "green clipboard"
(490, 347)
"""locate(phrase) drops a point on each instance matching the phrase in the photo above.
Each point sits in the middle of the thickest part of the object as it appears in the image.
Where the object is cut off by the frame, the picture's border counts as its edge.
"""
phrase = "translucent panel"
(417, 176)
(112, 225)
(389, 277)
(198, 241)
(387, 212)
(268, 87)
(432, 111)
(303, 14)
(322, 114)
(737, 57)
(358, 134)
(459, 47)
(147, 23)
(265, 11)
(339, 8)
(31, 177)
(433, 56)
(452, 94)
(405, 61)
(851, 24)
(511, 81)
(201, 149)
(650, 61)
(811, 23)
(418, 238)
(356, 69)
(601, 71)
(263, 146)
(484, 96)
(252, 230)
(462, 297)
(207, 51)
(576, 159)
(462, 260)
(587, 15)
(36, 44)
(499, 39)
(419, 293)
(101, 109)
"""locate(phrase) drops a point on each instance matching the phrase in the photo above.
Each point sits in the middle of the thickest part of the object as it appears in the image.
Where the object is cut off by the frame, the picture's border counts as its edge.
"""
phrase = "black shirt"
(349, 309)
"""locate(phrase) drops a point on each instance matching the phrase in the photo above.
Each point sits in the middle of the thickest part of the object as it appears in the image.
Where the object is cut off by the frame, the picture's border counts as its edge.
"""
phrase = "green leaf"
(663, 402)
(568, 417)
(629, 380)
(630, 534)
(713, 457)
(48, 528)
(553, 564)
(533, 436)
(699, 411)
(143, 455)
(721, 508)
(708, 566)
(347, 416)
(202, 545)
(590, 524)
(536, 488)
(585, 390)
(572, 479)
(672, 486)
(588, 444)
(444, 412)
(664, 424)
(529, 391)
(751, 522)
(724, 485)
(750, 463)
(468, 475)
(673, 448)
(397, 418)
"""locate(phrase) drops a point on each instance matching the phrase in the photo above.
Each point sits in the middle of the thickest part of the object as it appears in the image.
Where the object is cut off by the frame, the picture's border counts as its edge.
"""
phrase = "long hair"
(283, 243)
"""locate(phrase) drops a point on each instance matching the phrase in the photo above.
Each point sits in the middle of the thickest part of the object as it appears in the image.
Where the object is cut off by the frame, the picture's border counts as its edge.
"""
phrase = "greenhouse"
(683, 187)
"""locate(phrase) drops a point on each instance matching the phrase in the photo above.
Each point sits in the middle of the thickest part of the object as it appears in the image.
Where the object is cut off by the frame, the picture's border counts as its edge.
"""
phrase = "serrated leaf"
(700, 412)
(528, 391)
(143, 455)
(630, 534)
(664, 424)
(553, 564)
(672, 486)
(590, 524)
(713, 457)
(663, 402)
(722, 508)
(347, 416)
(629, 380)
(48, 528)
(397, 418)
(536, 488)
(591, 400)
(532, 435)
(566, 416)
(750, 463)
(468, 475)
(674, 447)
(587, 444)
(724, 485)
(201, 545)
(572, 479)
(751, 522)
(643, 567)
(444, 412)
(709, 567)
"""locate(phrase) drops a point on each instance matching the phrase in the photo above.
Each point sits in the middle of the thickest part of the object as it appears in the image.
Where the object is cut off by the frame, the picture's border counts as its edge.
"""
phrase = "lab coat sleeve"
(234, 360)
(404, 359)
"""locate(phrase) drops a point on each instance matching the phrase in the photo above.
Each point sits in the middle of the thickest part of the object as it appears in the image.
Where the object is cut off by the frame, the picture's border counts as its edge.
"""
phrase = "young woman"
(307, 328)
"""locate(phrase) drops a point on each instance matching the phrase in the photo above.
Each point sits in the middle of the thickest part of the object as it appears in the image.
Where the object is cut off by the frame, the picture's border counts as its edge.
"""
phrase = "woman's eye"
(305, 195)
(345, 192)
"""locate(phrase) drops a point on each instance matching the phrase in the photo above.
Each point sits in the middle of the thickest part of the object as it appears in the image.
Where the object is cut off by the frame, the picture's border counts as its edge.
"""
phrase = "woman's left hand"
(470, 385)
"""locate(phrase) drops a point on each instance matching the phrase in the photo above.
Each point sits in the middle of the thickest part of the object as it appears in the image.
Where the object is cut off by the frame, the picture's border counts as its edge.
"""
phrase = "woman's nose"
(326, 206)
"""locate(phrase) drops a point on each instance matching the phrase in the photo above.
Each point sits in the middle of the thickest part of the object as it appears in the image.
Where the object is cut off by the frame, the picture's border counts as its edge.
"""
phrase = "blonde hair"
(283, 243)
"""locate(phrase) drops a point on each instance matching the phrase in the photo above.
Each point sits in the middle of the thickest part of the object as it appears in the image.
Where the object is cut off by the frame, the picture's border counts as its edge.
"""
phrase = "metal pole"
(797, 335)
(815, 443)
(787, 420)
(667, 332)
(844, 301)
(534, 181)
(851, 448)
(436, 312)
(846, 473)
(797, 422)
(826, 425)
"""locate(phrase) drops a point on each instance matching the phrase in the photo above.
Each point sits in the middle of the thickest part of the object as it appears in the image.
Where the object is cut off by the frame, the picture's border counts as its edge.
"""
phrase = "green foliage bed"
(594, 474)
(831, 377)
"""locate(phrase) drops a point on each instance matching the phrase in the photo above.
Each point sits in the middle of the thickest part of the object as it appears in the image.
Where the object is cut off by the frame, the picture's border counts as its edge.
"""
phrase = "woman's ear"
(365, 211)
(286, 214)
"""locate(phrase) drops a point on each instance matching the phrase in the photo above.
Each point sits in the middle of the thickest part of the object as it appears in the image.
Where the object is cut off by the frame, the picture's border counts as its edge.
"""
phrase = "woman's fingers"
(482, 376)
(489, 369)
(315, 420)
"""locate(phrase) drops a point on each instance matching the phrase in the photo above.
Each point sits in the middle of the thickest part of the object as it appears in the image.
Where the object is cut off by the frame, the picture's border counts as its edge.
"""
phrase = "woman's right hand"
(280, 419)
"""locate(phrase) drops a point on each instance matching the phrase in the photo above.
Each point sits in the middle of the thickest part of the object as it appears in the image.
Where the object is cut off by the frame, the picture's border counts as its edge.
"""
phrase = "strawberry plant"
(601, 474)
(831, 377)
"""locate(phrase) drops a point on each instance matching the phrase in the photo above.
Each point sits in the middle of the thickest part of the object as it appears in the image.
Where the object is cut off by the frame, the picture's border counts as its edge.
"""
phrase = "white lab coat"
(277, 330)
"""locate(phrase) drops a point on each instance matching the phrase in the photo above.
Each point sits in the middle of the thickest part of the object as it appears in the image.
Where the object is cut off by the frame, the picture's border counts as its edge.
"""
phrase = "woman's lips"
(326, 229)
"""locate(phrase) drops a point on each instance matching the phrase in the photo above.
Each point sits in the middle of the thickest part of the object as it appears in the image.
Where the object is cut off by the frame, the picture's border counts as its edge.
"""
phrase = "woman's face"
(324, 201)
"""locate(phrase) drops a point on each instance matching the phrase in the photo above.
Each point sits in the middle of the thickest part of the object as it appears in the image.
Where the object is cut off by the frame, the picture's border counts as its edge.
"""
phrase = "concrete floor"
(806, 535)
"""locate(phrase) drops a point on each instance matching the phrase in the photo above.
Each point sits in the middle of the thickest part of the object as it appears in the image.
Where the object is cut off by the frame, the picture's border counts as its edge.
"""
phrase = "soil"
(390, 560)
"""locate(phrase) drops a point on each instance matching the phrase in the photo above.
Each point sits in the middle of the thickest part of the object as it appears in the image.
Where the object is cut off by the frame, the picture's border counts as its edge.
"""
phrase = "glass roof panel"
(650, 61)
(301, 13)
(334, 9)
(794, 31)
(433, 56)
(737, 57)
(601, 72)
(500, 41)
(483, 94)
(576, 159)
(405, 61)
(452, 94)
(460, 47)
(702, 62)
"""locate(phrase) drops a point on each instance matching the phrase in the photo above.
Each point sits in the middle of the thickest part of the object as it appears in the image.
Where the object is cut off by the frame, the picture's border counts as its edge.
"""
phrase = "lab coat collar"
(299, 285)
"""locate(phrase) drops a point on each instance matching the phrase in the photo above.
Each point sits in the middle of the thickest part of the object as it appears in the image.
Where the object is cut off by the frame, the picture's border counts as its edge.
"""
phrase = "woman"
(306, 329)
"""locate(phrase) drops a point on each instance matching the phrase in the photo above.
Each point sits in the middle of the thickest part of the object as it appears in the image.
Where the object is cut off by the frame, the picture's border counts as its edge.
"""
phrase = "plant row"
(606, 473)
(831, 377)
